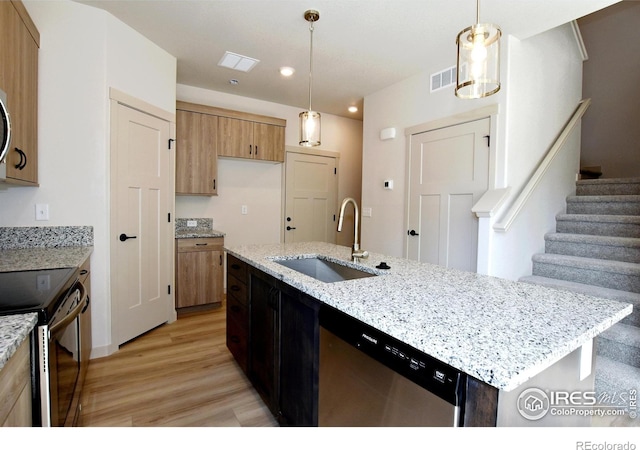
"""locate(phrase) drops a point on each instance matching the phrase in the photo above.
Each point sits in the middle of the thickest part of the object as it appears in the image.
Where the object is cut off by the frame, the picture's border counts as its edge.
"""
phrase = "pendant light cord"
(310, 59)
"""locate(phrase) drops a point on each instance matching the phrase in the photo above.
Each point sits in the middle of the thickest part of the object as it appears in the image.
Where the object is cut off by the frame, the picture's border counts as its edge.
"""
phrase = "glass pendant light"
(310, 120)
(478, 66)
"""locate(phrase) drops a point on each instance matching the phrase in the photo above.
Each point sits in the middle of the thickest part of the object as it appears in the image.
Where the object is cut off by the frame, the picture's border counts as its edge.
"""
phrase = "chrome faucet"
(356, 253)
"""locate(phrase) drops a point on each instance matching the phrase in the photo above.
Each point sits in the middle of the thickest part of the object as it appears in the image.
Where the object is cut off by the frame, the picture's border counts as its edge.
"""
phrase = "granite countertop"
(195, 227)
(499, 331)
(188, 234)
(13, 331)
(43, 258)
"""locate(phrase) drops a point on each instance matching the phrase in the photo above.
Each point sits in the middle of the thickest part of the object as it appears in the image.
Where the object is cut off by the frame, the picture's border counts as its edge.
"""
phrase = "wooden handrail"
(535, 179)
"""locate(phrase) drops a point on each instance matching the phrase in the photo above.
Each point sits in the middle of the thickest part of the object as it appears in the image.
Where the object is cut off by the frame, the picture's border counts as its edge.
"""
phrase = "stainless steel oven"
(59, 359)
(60, 299)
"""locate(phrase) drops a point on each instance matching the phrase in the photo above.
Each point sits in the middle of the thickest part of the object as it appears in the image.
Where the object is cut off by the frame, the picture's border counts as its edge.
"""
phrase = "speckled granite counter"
(499, 331)
(42, 258)
(203, 229)
(13, 331)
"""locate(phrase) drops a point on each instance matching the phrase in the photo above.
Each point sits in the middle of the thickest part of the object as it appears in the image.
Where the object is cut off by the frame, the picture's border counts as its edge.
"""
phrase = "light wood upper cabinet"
(239, 138)
(19, 42)
(196, 153)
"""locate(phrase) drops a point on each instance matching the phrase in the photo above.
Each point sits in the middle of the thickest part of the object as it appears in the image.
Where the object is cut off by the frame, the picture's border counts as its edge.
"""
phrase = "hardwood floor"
(177, 375)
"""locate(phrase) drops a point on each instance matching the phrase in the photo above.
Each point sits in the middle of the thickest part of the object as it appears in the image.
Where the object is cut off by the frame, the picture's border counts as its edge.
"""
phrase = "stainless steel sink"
(324, 270)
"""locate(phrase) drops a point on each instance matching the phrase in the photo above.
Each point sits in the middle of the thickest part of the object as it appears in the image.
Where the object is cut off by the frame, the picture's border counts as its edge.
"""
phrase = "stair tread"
(610, 181)
(596, 291)
(593, 239)
(603, 198)
(588, 263)
(626, 334)
(611, 374)
(605, 218)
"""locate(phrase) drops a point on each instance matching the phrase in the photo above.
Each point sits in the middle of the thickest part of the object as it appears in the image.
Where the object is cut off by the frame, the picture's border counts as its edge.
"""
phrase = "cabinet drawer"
(236, 289)
(237, 342)
(237, 268)
(238, 311)
(199, 244)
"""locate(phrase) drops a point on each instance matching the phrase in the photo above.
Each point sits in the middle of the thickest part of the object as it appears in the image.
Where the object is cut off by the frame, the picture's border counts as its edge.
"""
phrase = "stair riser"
(612, 253)
(614, 208)
(608, 189)
(623, 282)
(619, 352)
(599, 228)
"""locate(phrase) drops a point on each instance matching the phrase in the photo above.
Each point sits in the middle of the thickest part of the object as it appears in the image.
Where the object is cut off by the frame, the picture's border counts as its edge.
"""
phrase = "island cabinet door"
(299, 357)
(263, 345)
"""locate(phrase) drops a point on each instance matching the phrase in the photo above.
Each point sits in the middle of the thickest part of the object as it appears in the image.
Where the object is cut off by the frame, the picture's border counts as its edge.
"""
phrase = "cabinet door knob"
(23, 159)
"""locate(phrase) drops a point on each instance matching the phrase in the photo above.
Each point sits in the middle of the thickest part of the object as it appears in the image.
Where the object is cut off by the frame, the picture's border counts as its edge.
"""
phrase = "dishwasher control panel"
(422, 369)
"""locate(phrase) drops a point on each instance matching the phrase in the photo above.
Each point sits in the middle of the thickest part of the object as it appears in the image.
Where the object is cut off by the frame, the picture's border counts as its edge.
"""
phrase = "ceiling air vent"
(443, 79)
(237, 62)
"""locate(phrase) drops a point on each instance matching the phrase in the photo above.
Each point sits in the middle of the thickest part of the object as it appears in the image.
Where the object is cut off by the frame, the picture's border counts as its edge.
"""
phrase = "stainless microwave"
(5, 134)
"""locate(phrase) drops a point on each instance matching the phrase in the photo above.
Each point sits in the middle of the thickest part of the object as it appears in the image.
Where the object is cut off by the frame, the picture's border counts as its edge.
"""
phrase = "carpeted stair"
(596, 251)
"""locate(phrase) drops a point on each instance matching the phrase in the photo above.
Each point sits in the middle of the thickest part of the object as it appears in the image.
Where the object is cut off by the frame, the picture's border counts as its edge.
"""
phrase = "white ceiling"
(360, 46)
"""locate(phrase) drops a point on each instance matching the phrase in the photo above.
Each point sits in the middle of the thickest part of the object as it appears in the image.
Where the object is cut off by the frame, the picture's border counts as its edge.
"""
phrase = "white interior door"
(448, 173)
(311, 189)
(142, 235)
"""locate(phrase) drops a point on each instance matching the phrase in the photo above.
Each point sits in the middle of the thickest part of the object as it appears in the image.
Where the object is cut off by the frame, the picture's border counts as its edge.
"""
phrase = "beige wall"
(610, 132)
(259, 185)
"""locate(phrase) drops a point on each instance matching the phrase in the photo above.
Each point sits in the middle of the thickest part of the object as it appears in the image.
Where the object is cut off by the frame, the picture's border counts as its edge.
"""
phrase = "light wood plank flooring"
(177, 375)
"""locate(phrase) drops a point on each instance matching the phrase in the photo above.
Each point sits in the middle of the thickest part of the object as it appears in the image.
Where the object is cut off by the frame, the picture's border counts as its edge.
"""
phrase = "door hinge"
(169, 217)
(488, 138)
(170, 141)
(169, 289)
(335, 171)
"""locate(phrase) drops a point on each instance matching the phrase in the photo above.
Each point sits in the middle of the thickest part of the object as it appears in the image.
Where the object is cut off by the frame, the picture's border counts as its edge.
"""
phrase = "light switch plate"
(366, 212)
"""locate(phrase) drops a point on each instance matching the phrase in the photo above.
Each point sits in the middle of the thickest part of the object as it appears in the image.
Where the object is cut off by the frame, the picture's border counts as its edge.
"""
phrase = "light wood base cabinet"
(199, 273)
(15, 389)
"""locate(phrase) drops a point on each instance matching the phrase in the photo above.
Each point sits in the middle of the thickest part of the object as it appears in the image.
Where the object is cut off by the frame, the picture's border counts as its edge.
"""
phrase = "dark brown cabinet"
(238, 311)
(273, 333)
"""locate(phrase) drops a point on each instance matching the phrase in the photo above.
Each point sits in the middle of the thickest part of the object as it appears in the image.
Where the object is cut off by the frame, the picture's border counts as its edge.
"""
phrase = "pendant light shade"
(478, 65)
(310, 120)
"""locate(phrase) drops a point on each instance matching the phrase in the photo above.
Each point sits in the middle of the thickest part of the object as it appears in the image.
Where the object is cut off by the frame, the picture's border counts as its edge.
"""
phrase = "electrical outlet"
(42, 211)
(244, 210)
(366, 212)
(192, 223)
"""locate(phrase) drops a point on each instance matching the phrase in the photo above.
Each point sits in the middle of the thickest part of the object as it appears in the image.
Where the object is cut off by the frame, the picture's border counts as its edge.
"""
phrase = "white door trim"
(490, 111)
(118, 97)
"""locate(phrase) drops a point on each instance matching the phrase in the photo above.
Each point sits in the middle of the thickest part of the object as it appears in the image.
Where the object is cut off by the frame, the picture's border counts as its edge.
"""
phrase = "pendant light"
(310, 120)
(478, 66)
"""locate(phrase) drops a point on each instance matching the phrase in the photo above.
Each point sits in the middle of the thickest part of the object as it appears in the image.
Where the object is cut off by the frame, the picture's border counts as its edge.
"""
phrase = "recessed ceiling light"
(286, 71)
(237, 62)
(353, 109)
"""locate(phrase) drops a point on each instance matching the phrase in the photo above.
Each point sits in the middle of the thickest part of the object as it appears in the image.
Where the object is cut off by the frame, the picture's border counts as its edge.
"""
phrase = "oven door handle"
(75, 312)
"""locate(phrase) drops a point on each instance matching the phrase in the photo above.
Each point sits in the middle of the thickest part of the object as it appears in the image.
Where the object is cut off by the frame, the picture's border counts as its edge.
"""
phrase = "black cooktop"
(34, 291)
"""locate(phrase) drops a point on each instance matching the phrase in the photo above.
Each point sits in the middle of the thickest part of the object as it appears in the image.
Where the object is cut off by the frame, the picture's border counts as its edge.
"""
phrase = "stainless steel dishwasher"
(368, 378)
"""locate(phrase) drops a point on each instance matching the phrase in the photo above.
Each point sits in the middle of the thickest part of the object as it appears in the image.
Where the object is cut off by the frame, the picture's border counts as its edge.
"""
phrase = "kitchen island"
(504, 334)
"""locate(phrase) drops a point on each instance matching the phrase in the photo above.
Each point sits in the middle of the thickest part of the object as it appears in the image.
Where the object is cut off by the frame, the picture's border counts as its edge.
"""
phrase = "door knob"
(290, 228)
(413, 233)
(124, 237)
